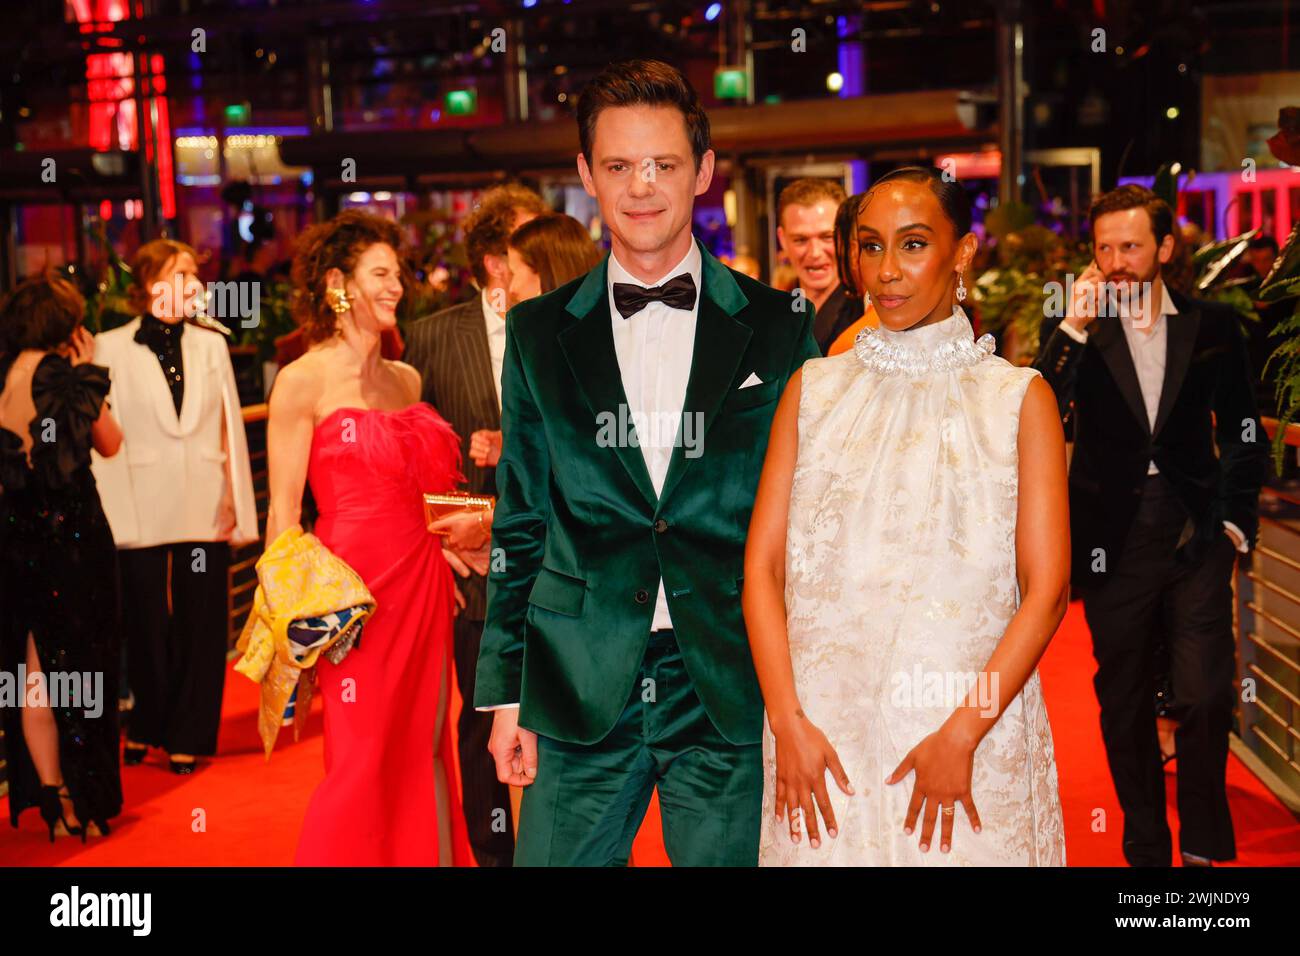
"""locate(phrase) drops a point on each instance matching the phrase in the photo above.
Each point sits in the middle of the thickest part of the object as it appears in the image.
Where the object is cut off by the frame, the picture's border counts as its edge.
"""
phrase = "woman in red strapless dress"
(386, 704)
(350, 422)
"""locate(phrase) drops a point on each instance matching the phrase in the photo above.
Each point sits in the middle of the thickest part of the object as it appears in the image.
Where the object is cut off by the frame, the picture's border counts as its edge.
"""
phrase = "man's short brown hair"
(642, 83)
(1133, 196)
(806, 192)
(487, 229)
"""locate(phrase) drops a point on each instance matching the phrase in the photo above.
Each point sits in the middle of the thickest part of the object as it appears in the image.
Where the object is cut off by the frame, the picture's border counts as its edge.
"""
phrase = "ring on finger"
(948, 811)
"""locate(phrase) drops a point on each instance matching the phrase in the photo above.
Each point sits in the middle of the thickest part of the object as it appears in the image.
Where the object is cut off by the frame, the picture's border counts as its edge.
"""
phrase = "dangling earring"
(866, 301)
(961, 288)
(338, 300)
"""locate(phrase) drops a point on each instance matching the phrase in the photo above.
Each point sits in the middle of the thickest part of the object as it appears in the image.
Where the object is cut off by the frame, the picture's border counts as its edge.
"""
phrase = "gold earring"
(338, 300)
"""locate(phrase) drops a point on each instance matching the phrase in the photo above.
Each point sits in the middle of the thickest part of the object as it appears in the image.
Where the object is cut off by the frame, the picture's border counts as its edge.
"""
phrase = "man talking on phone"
(1156, 382)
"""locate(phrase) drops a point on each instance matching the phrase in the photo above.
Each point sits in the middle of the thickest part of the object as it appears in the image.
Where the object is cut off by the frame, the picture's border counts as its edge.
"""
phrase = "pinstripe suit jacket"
(450, 351)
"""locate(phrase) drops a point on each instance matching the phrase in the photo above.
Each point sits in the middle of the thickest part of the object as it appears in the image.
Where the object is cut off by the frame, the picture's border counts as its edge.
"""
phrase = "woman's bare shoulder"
(408, 375)
(299, 385)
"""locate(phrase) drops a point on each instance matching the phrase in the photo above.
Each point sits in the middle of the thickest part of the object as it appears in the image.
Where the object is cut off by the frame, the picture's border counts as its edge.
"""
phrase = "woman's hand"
(485, 448)
(943, 763)
(80, 347)
(803, 755)
(464, 530)
(469, 562)
(459, 567)
(226, 518)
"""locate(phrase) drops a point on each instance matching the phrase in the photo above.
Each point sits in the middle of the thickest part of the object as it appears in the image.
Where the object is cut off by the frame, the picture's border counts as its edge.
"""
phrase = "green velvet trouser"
(588, 801)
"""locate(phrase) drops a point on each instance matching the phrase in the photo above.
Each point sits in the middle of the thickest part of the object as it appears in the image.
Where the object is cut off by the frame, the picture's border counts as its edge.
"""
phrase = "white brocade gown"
(900, 581)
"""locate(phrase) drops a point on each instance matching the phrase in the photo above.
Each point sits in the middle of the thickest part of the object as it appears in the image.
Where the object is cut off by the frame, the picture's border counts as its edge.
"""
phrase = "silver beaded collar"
(941, 347)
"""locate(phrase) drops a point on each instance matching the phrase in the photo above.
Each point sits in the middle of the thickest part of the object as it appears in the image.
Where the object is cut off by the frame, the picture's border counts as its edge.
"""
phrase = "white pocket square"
(752, 380)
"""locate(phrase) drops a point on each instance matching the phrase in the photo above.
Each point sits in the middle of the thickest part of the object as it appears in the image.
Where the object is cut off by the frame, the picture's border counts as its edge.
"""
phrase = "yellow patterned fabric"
(298, 578)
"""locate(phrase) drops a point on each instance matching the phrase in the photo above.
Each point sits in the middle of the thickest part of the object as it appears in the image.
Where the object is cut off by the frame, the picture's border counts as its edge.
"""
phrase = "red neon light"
(166, 174)
(110, 84)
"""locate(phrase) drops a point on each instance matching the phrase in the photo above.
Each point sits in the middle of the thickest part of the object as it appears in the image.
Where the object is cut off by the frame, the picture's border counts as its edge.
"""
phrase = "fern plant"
(107, 305)
(1012, 295)
(1282, 283)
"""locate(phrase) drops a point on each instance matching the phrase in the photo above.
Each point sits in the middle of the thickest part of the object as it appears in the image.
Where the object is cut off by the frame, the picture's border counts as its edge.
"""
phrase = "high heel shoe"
(52, 810)
(181, 766)
(132, 755)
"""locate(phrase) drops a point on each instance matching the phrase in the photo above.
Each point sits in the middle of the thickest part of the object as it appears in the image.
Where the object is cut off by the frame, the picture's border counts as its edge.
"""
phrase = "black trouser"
(486, 799)
(174, 612)
(1146, 596)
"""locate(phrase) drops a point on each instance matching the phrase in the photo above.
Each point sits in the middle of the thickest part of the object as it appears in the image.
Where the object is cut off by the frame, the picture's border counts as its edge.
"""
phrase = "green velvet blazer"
(579, 539)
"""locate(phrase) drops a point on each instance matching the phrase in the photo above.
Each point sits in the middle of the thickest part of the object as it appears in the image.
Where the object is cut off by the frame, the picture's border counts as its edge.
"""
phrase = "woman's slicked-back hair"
(846, 240)
(335, 244)
(950, 193)
(642, 83)
(557, 247)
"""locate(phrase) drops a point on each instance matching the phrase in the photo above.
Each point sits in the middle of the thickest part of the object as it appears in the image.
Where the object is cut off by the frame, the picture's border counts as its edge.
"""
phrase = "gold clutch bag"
(440, 505)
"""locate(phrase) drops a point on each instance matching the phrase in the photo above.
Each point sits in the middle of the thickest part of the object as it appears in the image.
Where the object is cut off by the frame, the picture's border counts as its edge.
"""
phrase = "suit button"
(642, 596)
(661, 525)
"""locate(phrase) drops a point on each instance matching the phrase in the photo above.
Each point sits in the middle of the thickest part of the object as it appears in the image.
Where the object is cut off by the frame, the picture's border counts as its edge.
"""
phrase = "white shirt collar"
(1167, 307)
(493, 317)
(692, 262)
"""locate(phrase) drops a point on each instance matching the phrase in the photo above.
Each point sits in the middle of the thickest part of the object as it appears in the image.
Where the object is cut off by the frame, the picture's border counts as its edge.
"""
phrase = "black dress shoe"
(133, 755)
(181, 766)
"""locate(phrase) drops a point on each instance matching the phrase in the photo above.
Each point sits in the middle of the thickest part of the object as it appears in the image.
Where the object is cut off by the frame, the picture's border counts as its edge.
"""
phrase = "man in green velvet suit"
(636, 406)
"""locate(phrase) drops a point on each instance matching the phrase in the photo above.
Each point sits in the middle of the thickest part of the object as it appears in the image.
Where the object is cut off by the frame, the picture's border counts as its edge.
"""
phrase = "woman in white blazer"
(177, 497)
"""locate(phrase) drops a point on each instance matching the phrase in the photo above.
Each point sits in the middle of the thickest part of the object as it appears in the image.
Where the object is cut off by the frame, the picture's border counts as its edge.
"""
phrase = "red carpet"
(239, 810)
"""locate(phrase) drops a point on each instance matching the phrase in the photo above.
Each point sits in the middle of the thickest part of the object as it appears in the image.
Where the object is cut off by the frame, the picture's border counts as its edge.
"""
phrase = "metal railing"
(1266, 620)
(243, 560)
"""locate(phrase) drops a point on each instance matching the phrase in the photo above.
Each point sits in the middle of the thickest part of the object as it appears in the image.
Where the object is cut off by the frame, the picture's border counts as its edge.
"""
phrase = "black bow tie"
(677, 293)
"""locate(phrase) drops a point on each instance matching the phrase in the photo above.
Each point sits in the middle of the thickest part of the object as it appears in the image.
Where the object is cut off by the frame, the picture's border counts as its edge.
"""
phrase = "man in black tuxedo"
(458, 353)
(1157, 518)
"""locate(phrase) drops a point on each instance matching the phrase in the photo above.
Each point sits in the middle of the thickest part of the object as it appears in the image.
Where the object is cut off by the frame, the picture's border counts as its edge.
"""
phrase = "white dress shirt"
(1149, 349)
(496, 336)
(654, 348)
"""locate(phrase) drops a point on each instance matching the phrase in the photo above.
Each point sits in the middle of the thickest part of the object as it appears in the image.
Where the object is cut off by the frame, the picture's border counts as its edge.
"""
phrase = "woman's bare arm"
(1042, 562)
(106, 433)
(803, 754)
(763, 600)
(944, 761)
(410, 376)
(291, 420)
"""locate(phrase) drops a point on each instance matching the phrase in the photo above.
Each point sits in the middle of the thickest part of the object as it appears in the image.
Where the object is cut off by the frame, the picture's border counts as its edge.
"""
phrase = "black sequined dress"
(58, 582)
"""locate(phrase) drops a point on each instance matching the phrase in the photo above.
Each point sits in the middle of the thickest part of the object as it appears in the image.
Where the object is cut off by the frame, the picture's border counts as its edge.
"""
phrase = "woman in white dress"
(907, 564)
